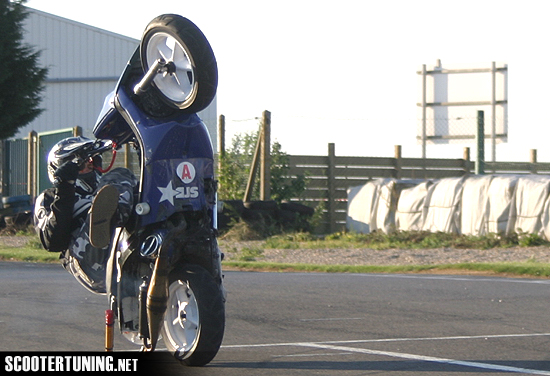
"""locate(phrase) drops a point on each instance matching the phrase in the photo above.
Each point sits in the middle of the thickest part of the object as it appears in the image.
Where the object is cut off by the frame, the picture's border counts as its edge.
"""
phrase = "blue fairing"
(177, 167)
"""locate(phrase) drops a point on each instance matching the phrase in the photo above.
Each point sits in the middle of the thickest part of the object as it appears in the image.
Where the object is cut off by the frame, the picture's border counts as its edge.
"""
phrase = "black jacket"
(59, 212)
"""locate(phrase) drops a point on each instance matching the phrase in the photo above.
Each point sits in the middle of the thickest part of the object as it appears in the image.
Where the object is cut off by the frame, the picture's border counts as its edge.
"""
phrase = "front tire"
(194, 322)
(191, 82)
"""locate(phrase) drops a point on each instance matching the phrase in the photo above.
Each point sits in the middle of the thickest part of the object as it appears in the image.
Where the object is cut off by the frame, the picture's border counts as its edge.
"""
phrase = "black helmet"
(66, 150)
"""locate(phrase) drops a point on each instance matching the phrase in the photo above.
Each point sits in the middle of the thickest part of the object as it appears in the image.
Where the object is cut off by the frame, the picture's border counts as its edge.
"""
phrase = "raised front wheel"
(190, 80)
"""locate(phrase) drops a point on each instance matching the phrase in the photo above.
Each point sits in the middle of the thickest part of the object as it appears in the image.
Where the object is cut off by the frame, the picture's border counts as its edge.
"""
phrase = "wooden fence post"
(31, 164)
(3, 167)
(331, 188)
(221, 140)
(77, 131)
(533, 160)
(466, 160)
(398, 161)
(265, 166)
(253, 169)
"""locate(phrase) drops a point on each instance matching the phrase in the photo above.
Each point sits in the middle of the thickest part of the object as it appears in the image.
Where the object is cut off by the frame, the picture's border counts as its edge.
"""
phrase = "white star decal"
(168, 193)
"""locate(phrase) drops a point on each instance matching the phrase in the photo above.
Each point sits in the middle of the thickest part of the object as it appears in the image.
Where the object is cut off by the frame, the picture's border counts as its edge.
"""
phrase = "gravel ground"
(14, 241)
(233, 250)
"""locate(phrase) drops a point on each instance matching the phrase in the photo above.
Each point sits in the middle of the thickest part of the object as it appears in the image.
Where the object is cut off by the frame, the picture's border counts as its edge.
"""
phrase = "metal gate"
(24, 162)
(45, 141)
(15, 168)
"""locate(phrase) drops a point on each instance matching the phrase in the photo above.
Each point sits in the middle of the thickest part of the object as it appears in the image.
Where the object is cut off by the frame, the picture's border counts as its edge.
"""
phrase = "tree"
(235, 166)
(235, 169)
(283, 187)
(21, 79)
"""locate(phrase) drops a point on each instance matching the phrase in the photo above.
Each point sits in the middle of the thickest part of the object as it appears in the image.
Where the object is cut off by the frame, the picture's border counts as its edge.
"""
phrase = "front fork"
(160, 66)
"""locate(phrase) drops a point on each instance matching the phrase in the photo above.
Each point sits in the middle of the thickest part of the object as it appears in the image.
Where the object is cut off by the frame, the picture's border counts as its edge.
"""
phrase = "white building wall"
(84, 64)
(210, 117)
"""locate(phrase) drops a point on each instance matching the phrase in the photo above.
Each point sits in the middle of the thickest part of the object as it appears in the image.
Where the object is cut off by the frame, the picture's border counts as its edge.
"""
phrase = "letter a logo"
(186, 172)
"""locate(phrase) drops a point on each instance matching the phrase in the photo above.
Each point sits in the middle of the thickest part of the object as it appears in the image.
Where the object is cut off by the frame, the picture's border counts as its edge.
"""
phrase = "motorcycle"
(164, 277)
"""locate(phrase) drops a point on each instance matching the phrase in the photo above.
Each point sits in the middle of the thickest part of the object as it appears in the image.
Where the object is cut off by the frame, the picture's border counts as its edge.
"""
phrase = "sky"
(344, 72)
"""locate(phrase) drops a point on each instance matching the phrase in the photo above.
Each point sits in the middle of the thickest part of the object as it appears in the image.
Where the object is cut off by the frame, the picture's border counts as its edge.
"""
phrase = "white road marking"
(309, 355)
(441, 338)
(335, 319)
(494, 367)
(330, 345)
(393, 340)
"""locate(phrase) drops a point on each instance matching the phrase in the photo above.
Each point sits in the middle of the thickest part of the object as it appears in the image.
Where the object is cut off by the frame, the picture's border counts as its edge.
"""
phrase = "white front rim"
(176, 86)
(182, 321)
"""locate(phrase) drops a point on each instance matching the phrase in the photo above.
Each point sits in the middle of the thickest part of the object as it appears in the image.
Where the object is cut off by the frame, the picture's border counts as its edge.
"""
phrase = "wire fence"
(457, 129)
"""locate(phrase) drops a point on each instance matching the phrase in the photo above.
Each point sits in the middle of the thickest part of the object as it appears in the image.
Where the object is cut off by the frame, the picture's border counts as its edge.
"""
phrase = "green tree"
(235, 169)
(21, 79)
(284, 187)
(235, 166)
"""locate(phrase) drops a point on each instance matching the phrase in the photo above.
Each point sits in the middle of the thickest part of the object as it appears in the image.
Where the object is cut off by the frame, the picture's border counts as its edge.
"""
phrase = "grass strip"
(28, 254)
(32, 252)
(527, 269)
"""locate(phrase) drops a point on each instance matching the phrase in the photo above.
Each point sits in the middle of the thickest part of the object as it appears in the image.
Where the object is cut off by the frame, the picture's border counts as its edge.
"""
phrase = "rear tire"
(194, 323)
(191, 83)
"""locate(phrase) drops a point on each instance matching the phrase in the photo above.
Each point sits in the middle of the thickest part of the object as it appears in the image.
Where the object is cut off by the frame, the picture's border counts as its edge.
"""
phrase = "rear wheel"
(191, 79)
(194, 322)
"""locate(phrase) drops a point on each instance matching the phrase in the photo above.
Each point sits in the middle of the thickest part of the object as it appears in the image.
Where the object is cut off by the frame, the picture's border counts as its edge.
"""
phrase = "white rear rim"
(182, 322)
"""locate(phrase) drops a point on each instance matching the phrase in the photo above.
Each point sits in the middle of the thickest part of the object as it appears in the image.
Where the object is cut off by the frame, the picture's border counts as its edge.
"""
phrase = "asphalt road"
(313, 324)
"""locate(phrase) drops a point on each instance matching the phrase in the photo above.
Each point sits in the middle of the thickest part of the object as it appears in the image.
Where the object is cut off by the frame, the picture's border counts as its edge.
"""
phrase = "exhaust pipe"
(157, 298)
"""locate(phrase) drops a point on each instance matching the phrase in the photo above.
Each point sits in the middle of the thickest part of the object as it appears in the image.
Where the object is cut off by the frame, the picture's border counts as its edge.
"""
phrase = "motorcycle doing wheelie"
(164, 274)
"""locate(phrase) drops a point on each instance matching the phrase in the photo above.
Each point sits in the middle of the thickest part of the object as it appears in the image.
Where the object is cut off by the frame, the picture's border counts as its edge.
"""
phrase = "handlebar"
(90, 150)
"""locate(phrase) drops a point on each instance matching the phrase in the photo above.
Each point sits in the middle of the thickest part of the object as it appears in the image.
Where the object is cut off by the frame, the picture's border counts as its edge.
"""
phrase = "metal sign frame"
(492, 102)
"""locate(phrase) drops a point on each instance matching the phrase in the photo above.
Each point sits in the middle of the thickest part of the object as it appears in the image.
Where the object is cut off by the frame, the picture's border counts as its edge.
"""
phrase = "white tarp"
(527, 205)
(500, 195)
(475, 201)
(442, 207)
(410, 207)
(475, 205)
(546, 219)
(363, 206)
(385, 211)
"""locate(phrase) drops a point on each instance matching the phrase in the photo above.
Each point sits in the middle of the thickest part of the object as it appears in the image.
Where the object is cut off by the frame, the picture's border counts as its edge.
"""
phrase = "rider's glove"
(67, 172)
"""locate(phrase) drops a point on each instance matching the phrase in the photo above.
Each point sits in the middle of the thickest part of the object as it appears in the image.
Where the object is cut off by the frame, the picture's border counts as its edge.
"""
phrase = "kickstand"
(146, 347)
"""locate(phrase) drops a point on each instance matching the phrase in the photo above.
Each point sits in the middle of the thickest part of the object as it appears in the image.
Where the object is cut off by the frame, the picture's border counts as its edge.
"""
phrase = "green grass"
(402, 240)
(28, 254)
(250, 258)
(247, 260)
(538, 270)
(31, 251)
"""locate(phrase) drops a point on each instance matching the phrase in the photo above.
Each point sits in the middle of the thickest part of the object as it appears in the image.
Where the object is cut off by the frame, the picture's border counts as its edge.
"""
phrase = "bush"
(235, 165)
(233, 175)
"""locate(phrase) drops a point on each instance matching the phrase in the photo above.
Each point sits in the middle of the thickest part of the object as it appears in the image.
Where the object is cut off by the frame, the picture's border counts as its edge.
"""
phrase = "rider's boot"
(104, 206)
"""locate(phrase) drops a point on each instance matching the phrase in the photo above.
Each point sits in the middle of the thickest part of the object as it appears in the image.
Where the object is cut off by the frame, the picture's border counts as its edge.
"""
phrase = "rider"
(75, 216)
